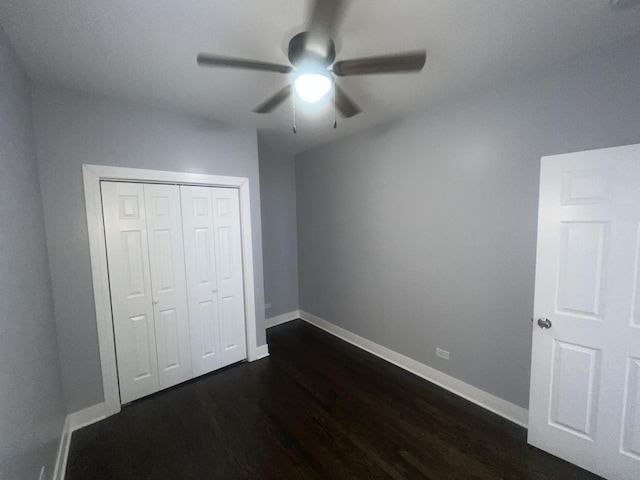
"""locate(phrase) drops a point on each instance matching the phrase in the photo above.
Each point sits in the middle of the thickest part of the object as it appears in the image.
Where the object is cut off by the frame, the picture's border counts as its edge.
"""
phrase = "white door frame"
(92, 175)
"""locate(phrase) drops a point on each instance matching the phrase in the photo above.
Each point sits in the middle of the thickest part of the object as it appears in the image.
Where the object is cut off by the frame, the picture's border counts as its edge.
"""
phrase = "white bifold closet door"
(174, 255)
(215, 286)
(143, 231)
(166, 252)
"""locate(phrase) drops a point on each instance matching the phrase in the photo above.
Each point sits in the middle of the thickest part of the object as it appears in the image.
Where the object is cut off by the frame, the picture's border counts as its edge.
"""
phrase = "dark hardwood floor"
(317, 408)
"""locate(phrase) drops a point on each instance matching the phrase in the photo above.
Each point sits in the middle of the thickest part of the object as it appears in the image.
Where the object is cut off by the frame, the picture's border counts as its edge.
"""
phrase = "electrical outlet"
(41, 473)
(267, 306)
(442, 353)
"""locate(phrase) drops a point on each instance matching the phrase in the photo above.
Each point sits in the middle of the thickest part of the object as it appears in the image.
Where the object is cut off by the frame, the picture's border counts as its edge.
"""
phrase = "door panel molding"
(92, 176)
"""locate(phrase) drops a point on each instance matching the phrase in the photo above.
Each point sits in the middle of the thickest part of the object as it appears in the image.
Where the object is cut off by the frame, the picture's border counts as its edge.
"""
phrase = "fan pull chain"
(295, 129)
(335, 122)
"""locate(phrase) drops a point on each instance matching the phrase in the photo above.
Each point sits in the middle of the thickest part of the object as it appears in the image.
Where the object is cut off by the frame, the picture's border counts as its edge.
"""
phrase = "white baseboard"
(73, 422)
(261, 352)
(88, 416)
(63, 451)
(486, 400)
(284, 318)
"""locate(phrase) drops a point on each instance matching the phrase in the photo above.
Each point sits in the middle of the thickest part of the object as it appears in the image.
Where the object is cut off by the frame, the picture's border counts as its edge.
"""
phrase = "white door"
(131, 294)
(211, 218)
(169, 290)
(585, 370)
(197, 218)
(228, 249)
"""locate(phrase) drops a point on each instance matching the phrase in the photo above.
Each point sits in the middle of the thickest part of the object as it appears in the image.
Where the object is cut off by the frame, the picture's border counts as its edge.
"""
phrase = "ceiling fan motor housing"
(299, 52)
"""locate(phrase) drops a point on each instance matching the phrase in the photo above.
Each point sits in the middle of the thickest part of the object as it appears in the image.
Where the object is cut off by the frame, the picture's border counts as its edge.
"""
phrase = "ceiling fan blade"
(207, 60)
(326, 16)
(345, 105)
(399, 62)
(272, 102)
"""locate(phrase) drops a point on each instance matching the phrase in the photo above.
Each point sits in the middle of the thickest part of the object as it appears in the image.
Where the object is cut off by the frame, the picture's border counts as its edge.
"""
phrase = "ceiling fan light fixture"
(312, 82)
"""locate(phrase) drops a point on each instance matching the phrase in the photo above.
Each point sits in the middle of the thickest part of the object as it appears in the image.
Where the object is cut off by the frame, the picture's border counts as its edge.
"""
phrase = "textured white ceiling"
(145, 51)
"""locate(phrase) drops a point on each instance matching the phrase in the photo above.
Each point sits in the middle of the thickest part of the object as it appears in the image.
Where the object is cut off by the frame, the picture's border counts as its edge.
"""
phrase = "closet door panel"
(130, 283)
(228, 250)
(166, 254)
(202, 284)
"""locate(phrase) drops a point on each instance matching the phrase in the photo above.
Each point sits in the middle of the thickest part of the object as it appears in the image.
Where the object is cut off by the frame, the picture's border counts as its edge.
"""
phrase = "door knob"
(544, 323)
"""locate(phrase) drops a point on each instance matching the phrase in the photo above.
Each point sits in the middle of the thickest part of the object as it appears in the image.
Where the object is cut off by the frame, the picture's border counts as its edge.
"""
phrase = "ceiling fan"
(312, 55)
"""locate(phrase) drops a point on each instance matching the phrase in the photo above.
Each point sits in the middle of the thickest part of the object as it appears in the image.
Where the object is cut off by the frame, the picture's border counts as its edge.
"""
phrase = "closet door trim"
(92, 176)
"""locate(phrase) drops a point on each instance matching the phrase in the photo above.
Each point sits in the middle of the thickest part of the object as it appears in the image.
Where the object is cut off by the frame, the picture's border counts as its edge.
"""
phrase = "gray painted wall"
(32, 411)
(421, 233)
(75, 128)
(279, 236)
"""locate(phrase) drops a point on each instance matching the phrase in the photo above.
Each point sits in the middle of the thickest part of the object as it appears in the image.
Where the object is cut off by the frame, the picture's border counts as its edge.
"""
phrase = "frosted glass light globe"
(312, 82)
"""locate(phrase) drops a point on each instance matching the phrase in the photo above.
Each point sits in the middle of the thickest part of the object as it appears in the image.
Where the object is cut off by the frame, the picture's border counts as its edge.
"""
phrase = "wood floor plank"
(318, 408)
